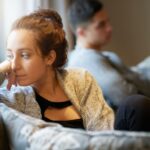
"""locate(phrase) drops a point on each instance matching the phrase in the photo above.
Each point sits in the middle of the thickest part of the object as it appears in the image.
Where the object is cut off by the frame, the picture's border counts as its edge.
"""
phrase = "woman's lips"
(20, 76)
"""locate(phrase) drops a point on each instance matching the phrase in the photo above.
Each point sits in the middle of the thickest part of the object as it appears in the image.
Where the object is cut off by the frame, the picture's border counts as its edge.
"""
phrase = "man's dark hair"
(81, 11)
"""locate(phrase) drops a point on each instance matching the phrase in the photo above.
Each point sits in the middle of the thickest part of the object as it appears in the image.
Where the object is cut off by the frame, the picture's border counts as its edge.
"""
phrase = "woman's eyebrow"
(20, 49)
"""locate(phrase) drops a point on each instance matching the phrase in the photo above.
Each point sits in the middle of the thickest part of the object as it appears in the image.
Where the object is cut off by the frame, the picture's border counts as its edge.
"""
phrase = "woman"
(37, 52)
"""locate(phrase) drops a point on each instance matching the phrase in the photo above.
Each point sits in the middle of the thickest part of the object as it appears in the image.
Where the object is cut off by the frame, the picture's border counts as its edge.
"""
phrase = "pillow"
(120, 140)
(21, 127)
(28, 133)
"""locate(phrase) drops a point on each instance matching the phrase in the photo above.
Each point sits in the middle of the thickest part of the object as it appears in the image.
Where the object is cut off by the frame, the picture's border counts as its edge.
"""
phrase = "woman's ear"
(51, 57)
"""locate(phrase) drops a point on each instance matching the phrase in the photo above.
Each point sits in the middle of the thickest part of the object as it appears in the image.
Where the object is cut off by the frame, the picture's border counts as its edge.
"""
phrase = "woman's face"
(25, 57)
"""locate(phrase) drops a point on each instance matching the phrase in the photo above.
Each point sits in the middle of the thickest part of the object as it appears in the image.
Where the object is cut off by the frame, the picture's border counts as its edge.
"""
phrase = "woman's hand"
(5, 68)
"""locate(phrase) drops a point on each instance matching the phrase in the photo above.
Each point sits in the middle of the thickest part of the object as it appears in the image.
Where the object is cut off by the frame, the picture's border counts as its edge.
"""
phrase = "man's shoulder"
(83, 57)
(109, 53)
(81, 52)
(144, 63)
(112, 56)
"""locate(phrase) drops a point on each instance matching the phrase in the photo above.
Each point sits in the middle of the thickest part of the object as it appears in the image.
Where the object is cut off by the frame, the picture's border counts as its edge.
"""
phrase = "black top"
(44, 104)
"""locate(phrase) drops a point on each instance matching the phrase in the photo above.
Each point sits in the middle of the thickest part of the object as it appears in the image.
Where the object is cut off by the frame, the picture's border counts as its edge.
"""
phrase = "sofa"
(22, 132)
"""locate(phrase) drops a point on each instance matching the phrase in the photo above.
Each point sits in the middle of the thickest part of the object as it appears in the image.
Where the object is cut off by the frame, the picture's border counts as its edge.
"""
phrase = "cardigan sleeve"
(97, 115)
(13, 98)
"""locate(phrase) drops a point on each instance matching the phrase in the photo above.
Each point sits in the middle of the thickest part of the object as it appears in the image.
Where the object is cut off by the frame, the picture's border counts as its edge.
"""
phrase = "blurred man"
(90, 23)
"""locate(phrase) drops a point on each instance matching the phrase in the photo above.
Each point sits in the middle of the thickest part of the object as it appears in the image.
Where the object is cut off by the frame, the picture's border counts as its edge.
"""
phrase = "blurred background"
(130, 20)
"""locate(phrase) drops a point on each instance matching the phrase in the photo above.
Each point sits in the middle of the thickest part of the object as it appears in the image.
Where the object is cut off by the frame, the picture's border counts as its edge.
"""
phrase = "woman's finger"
(11, 80)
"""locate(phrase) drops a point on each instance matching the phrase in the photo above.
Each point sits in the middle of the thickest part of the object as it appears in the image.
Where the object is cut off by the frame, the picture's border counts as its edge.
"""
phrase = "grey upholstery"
(27, 133)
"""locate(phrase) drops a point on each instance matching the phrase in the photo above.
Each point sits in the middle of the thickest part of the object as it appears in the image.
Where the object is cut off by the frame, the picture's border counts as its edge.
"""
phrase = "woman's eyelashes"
(23, 55)
(9, 56)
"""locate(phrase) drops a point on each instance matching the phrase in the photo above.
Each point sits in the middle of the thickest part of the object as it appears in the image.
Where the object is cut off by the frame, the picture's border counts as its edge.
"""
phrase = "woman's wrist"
(5, 66)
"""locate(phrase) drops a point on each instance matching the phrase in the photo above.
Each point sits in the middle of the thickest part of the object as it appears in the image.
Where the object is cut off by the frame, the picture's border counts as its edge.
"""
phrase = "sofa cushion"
(120, 140)
(27, 133)
(21, 127)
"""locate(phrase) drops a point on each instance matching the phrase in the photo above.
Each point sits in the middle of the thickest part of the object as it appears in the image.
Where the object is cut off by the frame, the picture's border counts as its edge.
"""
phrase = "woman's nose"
(14, 64)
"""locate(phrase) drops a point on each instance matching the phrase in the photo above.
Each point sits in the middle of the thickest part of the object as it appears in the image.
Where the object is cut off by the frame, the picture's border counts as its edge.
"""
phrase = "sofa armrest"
(26, 132)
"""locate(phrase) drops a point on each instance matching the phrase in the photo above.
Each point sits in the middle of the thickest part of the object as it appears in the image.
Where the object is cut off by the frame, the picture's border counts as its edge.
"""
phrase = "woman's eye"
(25, 55)
(9, 56)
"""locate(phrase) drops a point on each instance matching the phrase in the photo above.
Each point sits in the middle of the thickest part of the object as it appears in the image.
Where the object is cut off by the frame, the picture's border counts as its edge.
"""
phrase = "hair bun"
(49, 15)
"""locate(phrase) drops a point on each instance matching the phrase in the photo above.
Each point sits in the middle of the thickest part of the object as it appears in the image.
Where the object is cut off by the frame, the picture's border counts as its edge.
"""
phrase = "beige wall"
(131, 29)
